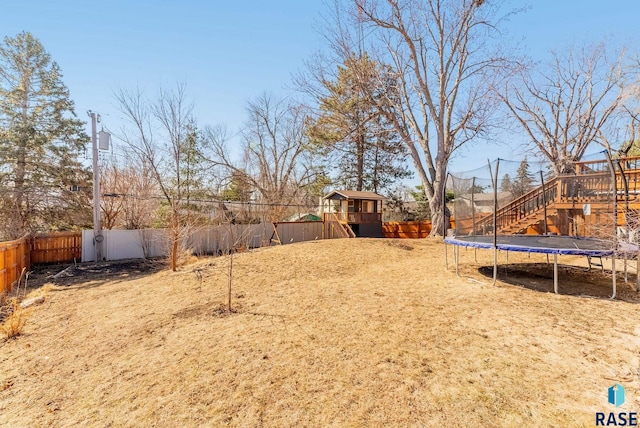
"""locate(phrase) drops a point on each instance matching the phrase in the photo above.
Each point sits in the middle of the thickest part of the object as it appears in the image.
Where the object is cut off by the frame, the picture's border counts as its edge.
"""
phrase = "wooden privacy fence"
(406, 229)
(14, 256)
(59, 247)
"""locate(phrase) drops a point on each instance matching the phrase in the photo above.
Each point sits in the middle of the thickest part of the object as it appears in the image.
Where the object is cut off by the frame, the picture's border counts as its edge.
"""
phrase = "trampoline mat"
(539, 244)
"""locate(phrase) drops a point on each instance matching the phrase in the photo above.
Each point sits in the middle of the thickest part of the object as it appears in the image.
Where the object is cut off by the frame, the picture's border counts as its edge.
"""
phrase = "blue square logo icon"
(616, 395)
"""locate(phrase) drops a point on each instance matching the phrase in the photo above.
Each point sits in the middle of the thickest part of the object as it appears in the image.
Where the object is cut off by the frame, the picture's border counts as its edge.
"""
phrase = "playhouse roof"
(353, 194)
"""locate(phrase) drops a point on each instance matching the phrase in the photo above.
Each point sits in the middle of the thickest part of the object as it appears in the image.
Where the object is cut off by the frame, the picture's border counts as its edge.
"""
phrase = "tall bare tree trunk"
(360, 161)
(175, 235)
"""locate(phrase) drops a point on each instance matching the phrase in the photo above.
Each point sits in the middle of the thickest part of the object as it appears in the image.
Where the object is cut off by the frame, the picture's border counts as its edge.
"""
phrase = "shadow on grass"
(89, 275)
(572, 280)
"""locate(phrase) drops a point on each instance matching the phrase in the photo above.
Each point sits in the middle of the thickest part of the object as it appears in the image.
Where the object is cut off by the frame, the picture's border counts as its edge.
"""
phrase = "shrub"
(13, 317)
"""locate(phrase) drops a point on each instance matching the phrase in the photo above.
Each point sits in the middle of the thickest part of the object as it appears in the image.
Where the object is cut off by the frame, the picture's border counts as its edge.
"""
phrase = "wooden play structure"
(351, 213)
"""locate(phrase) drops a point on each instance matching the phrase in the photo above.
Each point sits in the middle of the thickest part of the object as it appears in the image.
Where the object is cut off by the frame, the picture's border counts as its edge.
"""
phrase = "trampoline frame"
(608, 249)
(501, 243)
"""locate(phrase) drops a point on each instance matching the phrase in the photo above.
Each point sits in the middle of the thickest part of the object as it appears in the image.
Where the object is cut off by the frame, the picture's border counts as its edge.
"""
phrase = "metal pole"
(97, 226)
(555, 273)
(613, 270)
(625, 185)
(446, 258)
(544, 202)
(494, 181)
(473, 209)
(444, 205)
(456, 253)
(614, 188)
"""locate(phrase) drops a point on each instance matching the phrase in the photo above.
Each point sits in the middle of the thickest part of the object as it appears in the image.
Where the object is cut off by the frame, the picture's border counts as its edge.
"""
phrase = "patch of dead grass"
(354, 332)
(13, 318)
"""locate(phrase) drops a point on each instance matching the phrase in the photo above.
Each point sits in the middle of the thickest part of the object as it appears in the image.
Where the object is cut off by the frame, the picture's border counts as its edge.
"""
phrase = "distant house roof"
(353, 194)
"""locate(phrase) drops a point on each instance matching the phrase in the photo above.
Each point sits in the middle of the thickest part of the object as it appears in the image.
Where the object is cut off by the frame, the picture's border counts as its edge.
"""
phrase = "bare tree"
(274, 148)
(129, 194)
(161, 138)
(566, 104)
(113, 187)
(442, 63)
(238, 238)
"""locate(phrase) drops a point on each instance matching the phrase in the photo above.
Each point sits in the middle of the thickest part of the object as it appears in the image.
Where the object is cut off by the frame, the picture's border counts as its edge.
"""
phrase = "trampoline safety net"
(529, 197)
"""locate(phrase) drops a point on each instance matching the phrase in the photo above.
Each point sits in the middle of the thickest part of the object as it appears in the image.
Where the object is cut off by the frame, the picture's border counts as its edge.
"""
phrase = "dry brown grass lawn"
(331, 333)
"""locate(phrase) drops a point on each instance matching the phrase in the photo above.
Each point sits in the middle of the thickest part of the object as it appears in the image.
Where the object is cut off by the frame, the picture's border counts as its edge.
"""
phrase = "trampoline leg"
(446, 258)
(613, 270)
(456, 256)
(506, 266)
(495, 265)
(555, 273)
(626, 281)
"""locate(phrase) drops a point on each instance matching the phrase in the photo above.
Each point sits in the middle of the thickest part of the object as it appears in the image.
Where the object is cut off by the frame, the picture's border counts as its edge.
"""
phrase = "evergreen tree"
(523, 181)
(238, 190)
(506, 185)
(368, 153)
(40, 140)
(420, 196)
(192, 174)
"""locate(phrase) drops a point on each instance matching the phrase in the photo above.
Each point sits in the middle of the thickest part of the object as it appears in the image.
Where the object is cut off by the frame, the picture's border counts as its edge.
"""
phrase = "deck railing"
(519, 208)
(355, 218)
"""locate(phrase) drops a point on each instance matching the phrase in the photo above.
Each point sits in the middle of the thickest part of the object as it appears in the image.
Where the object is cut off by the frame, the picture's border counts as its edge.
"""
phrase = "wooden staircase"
(533, 220)
(523, 212)
(342, 228)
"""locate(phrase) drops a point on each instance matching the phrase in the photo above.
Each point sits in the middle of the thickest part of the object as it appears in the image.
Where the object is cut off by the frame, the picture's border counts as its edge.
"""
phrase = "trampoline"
(556, 245)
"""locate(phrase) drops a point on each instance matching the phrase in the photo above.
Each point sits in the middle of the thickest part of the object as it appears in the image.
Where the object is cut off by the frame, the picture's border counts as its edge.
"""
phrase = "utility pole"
(97, 226)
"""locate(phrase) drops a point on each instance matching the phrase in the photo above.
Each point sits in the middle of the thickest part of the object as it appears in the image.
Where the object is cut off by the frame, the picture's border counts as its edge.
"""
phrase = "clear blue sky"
(228, 52)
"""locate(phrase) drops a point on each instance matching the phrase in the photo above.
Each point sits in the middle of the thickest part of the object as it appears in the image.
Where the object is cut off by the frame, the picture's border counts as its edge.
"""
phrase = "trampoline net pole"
(614, 191)
(445, 224)
(473, 210)
(613, 271)
(544, 202)
(494, 183)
